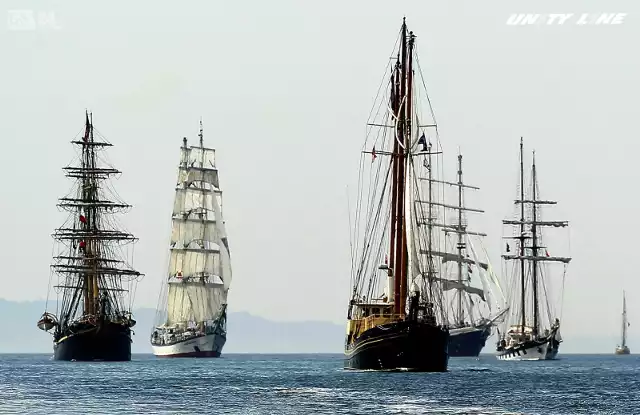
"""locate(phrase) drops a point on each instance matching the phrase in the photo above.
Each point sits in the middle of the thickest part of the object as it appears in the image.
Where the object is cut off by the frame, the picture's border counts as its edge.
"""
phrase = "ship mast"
(461, 245)
(534, 246)
(522, 238)
(403, 116)
(624, 321)
(398, 160)
(92, 270)
(535, 222)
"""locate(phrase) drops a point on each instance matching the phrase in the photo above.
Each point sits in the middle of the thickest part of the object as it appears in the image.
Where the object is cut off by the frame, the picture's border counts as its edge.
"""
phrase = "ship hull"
(531, 350)
(107, 342)
(209, 345)
(405, 345)
(622, 350)
(468, 341)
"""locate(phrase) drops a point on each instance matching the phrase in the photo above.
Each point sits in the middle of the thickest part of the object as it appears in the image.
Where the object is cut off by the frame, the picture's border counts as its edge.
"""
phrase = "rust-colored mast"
(399, 160)
(395, 100)
(407, 142)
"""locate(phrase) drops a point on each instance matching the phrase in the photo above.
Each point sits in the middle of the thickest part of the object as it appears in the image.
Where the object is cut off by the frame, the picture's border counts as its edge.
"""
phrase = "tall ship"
(477, 301)
(532, 330)
(622, 347)
(93, 319)
(193, 303)
(395, 318)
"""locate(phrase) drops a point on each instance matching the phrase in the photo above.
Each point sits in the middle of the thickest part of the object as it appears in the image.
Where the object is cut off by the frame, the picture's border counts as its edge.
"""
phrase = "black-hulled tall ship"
(622, 347)
(93, 321)
(532, 329)
(395, 317)
(476, 305)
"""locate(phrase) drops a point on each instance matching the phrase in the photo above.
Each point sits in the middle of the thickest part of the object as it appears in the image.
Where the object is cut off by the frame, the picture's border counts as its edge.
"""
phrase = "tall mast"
(460, 313)
(92, 270)
(522, 236)
(534, 246)
(400, 161)
(203, 213)
(405, 164)
(395, 101)
(624, 320)
(535, 222)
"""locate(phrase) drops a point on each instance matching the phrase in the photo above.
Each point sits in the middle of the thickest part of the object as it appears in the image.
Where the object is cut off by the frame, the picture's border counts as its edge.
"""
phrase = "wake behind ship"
(193, 307)
(401, 329)
(93, 321)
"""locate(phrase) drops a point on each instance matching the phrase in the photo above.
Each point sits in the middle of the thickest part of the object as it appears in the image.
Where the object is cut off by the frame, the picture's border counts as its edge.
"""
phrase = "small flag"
(373, 154)
(546, 252)
(508, 248)
(82, 244)
(87, 127)
(83, 219)
(423, 140)
(386, 259)
(470, 270)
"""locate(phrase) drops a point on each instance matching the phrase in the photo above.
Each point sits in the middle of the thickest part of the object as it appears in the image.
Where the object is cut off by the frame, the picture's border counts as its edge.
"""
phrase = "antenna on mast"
(200, 134)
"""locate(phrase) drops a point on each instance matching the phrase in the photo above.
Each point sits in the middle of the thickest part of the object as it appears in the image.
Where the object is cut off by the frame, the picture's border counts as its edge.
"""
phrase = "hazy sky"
(284, 89)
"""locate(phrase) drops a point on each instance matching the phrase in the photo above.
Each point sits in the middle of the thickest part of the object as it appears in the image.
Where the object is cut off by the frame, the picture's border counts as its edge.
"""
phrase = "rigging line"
(375, 219)
(350, 237)
(382, 80)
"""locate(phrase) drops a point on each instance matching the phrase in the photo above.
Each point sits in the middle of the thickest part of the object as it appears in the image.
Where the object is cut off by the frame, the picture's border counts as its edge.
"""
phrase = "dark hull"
(404, 345)
(623, 350)
(192, 354)
(108, 342)
(469, 343)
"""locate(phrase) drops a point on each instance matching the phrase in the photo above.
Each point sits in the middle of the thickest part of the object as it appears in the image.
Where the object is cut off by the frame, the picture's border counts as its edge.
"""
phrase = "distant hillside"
(247, 333)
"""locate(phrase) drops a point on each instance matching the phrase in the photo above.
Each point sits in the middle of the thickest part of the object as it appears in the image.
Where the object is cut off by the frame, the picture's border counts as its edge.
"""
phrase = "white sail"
(199, 269)
(199, 174)
(225, 255)
(193, 301)
(185, 231)
(194, 199)
(187, 262)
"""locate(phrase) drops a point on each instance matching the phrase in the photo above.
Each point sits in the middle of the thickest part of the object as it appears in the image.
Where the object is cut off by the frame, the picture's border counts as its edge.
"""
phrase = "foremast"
(531, 253)
(199, 274)
(90, 265)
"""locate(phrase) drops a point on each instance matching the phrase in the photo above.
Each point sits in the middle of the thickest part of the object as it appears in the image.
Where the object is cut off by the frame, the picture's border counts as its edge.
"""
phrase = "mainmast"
(624, 320)
(461, 245)
(401, 143)
(534, 246)
(399, 160)
(522, 238)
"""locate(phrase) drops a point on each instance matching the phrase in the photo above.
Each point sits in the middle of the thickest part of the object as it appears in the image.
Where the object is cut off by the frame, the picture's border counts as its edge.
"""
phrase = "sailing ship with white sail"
(532, 329)
(193, 301)
(622, 347)
(472, 290)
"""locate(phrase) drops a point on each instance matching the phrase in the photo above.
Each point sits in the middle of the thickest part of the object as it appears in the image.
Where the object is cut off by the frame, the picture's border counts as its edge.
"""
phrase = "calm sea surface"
(316, 384)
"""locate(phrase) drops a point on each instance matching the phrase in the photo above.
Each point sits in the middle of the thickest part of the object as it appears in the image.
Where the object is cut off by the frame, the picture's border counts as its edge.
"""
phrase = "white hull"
(209, 345)
(535, 352)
